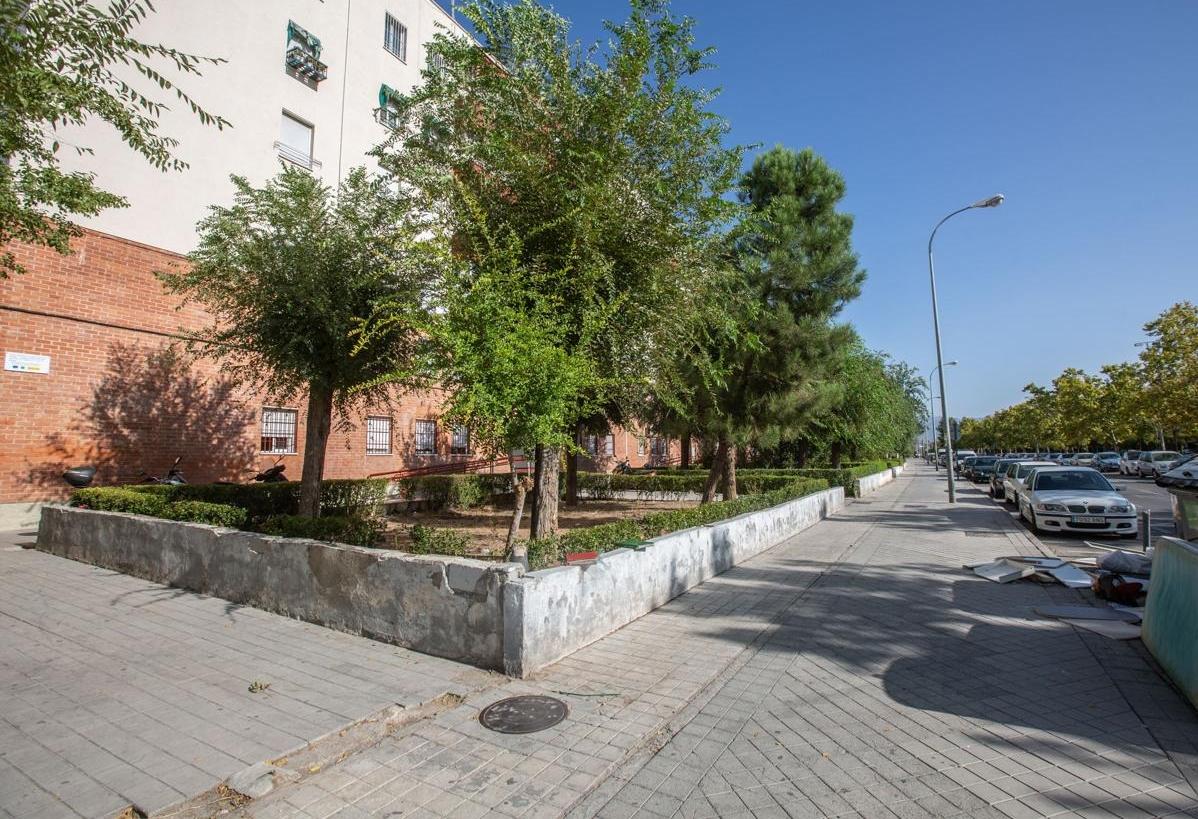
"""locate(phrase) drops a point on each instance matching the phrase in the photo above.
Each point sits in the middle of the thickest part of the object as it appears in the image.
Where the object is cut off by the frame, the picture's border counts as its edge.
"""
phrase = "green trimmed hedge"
(748, 481)
(119, 499)
(551, 551)
(429, 540)
(344, 498)
(356, 531)
(461, 491)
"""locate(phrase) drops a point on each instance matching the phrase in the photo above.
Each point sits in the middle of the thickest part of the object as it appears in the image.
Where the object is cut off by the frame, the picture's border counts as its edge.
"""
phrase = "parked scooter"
(272, 475)
(81, 477)
(174, 477)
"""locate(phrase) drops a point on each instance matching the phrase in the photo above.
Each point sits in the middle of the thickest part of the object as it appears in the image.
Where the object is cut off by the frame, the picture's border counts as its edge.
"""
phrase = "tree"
(795, 267)
(60, 65)
(1170, 367)
(608, 166)
(290, 272)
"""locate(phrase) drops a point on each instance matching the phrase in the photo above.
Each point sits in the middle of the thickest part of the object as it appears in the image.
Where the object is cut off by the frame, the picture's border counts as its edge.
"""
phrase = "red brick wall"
(118, 397)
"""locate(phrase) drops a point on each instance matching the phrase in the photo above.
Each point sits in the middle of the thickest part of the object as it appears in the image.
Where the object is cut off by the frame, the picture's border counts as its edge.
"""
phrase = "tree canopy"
(63, 62)
(290, 272)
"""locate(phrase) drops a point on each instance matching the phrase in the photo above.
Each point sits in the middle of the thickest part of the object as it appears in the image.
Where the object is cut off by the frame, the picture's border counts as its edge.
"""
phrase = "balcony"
(304, 65)
(295, 157)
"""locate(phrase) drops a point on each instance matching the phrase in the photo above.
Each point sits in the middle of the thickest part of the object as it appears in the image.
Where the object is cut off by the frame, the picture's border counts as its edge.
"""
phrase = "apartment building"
(92, 369)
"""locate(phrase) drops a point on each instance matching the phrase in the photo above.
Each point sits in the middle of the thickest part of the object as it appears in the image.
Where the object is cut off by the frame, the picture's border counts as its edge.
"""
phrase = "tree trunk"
(518, 553)
(685, 455)
(572, 468)
(538, 460)
(544, 522)
(803, 453)
(715, 476)
(316, 436)
(728, 479)
(837, 450)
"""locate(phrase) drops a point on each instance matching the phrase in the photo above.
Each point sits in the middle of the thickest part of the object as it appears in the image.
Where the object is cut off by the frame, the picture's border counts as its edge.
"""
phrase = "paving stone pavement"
(855, 670)
(115, 690)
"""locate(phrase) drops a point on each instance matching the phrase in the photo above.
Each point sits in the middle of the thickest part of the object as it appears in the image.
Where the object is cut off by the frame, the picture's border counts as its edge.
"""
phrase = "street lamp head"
(950, 363)
(992, 202)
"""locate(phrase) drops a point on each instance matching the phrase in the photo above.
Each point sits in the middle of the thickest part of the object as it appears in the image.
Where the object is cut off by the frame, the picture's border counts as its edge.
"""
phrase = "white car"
(1075, 499)
(1082, 459)
(1013, 482)
(1127, 463)
(1154, 462)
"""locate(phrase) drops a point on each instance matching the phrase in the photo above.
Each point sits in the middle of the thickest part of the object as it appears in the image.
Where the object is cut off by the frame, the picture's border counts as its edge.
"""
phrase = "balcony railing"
(305, 66)
(297, 157)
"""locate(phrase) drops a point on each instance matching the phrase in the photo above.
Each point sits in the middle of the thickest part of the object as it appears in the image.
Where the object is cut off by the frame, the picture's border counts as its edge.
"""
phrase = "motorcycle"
(81, 477)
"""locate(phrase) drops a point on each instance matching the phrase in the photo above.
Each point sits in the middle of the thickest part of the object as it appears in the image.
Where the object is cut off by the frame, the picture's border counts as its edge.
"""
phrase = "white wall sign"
(27, 363)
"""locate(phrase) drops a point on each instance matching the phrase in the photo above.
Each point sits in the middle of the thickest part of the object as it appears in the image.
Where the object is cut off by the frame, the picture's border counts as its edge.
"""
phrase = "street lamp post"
(992, 202)
(932, 408)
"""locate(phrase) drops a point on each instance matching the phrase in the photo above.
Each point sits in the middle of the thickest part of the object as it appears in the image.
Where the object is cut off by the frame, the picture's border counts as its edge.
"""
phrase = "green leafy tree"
(606, 163)
(63, 62)
(1170, 367)
(795, 268)
(290, 272)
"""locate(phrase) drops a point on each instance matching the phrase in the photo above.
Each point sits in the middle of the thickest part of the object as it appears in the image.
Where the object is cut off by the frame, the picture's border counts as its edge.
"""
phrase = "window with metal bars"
(426, 437)
(590, 442)
(459, 442)
(278, 431)
(640, 445)
(609, 445)
(659, 447)
(378, 435)
(395, 37)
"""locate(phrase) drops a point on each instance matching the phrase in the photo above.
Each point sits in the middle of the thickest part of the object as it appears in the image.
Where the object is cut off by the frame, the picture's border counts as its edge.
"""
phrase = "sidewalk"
(855, 670)
(117, 691)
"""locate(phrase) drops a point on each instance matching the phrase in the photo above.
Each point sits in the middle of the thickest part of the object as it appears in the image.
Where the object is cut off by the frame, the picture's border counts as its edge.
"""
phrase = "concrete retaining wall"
(554, 612)
(448, 607)
(1171, 617)
(488, 614)
(874, 482)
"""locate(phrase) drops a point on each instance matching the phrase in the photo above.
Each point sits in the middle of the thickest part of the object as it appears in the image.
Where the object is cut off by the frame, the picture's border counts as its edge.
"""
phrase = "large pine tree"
(792, 262)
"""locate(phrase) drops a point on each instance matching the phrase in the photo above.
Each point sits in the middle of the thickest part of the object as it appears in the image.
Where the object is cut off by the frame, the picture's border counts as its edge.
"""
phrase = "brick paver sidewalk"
(855, 670)
(117, 691)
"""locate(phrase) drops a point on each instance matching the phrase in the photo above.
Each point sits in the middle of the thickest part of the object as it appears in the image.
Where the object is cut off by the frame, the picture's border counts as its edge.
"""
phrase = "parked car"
(960, 455)
(1127, 464)
(1153, 462)
(1013, 481)
(1082, 459)
(1106, 461)
(999, 473)
(1075, 499)
(981, 467)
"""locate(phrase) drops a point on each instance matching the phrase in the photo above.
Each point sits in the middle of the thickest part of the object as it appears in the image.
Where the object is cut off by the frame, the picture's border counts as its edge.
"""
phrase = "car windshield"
(984, 461)
(1084, 455)
(1080, 479)
(1133, 454)
(1163, 456)
(1107, 455)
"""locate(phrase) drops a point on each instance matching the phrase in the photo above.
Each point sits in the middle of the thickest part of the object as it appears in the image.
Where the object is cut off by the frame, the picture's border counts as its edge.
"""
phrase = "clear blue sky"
(1083, 112)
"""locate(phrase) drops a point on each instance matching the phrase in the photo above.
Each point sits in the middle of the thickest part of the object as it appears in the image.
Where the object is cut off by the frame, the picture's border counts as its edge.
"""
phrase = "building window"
(295, 141)
(609, 445)
(590, 444)
(436, 63)
(302, 57)
(395, 37)
(426, 437)
(659, 448)
(640, 445)
(388, 111)
(459, 442)
(278, 431)
(378, 435)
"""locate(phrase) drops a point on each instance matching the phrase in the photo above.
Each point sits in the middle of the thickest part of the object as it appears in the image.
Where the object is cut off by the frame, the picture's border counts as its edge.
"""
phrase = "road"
(1143, 492)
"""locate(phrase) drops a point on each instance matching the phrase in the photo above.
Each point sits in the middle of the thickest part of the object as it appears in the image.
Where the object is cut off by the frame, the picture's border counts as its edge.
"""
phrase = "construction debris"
(1114, 629)
(1004, 570)
(1122, 562)
(1088, 613)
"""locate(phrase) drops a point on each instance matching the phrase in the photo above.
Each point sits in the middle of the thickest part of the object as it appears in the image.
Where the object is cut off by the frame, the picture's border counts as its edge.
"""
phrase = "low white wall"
(554, 612)
(874, 482)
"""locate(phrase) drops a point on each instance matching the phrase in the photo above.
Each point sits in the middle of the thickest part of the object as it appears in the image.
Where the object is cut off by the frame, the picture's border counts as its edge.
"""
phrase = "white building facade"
(303, 82)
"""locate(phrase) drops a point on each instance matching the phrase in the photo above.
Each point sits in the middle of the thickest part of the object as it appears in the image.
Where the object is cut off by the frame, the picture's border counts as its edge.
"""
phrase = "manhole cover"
(523, 715)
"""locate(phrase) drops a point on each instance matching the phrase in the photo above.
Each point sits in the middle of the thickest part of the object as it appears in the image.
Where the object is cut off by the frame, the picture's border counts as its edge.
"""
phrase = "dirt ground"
(487, 527)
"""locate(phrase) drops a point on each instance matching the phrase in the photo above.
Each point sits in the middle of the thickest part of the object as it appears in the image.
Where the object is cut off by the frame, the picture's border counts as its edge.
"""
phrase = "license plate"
(1088, 519)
